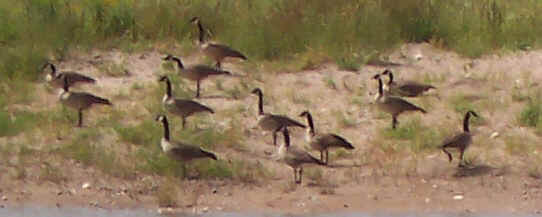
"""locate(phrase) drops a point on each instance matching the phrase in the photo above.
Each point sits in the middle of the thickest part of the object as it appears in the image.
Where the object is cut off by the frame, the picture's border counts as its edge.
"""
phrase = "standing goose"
(271, 122)
(79, 100)
(393, 105)
(56, 79)
(217, 52)
(181, 107)
(197, 72)
(322, 142)
(405, 88)
(180, 151)
(295, 157)
(460, 141)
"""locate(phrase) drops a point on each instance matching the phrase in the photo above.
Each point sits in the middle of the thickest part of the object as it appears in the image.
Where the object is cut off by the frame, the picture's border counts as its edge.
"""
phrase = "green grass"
(518, 145)
(416, 136)
(147, 133)
(531, 114)
(13, 124)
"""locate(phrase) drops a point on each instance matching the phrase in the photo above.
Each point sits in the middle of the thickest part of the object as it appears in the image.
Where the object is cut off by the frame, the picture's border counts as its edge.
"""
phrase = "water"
(35, 211)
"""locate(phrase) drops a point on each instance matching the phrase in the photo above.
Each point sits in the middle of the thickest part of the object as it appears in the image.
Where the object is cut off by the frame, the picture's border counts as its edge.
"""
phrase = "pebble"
(205, 209)
(4, 198)
(2, 206)
(427, 200)
(435, 186)
(494, 135)
(86, 185)
(458, 197)
(346, 205)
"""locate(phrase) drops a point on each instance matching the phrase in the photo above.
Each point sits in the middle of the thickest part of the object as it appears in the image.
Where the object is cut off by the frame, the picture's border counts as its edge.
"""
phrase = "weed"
(11, 125)
(51, 174)
(419, 137)
(166, 195)
(518, 145)
(344, 120)
(330, 82)
(145, 133)
(531, 114)
(348, 63)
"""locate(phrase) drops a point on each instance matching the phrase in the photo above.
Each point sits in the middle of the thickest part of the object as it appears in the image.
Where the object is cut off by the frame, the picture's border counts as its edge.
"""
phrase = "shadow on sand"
(473, 170)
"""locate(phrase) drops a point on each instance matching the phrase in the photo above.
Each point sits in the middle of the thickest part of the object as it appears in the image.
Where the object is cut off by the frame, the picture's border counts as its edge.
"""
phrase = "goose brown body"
(323, 142)
(196, 73)
(79, 100)
(183, 108)
(460, 141)
(56, 79)
(295, 157)
(393, 105)
(217, 52)
(404, 88)
(271, 122)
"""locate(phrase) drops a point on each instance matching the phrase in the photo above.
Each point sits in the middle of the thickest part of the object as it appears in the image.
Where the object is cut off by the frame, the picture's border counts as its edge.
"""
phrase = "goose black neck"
(260, 103)
(201, 33)
(380, 90)
(53, 69)
(66, 86)
(391, 77)
(166, 128)
(168, 86)
(311, 124)
(286, 135)
(179, 63)
(466, 122)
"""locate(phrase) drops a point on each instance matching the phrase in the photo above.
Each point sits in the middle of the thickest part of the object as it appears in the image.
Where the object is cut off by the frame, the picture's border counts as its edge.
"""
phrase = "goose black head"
(160, 118)
(377, 76)
(385, 72)
(163, 78)
(168, 57)
(304, 113)
(473, 113)
(256, 91)
(194, 20)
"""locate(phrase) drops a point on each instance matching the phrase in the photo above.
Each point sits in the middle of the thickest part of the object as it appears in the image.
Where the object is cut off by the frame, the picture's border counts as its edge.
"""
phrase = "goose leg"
(80, 121)
(327, 157)
(322, 155)
(300, 175)
(447, 153)
(393, 122)
(197, 88)
(295, 175)
(218, 64)
(461, 160)
(184, 122)
(275, 137)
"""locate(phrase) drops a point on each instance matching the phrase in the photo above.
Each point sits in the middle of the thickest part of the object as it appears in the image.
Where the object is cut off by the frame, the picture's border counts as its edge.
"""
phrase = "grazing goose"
(271, 122)
(404, 88)
(181, 107)
(323, 142)
(460, 141)
(56, 79)
(79, 100)
(393, 105)
(180, 151)
(295, 157)
(196, 72)
(218, 52)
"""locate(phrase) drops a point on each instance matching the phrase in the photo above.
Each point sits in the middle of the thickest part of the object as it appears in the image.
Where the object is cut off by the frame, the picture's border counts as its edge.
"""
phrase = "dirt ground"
(370, 179)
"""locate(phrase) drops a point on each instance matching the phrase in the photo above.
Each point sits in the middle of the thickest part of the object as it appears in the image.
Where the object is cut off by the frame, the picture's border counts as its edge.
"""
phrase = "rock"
(86, 185)
(4, 198)
(205, 209)
(458, 197)
(418, 56)
(494, 135)
(219, 208)
(215, 191)
(435, 186)
(427, 200)
(94, 203)
(346, 205)
(424, 181)
(2, 206)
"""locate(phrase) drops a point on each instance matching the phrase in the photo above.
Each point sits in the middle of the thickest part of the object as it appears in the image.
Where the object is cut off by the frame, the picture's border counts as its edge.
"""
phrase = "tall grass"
(35, 30)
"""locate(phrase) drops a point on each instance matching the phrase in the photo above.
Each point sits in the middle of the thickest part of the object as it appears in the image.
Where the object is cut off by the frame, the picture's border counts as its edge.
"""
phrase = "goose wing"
(333, 140)
(225, 51)
(192, 106)
(187, 152)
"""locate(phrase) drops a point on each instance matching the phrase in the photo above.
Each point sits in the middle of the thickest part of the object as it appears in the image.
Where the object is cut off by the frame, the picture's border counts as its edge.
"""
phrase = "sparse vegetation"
(418, 137)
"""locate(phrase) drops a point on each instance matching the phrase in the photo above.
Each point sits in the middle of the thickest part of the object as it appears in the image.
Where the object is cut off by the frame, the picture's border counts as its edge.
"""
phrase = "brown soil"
(371, 179)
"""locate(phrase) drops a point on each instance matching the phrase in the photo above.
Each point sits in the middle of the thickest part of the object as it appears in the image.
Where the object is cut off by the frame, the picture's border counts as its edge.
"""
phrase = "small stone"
(205, 209)
(86, 185)
(4, 198)
(219, 208)
(494, 135)
(435, 186)
(58, 193)
(215, 191)
(346, 205)
(301, 204)
(458, 197)
(2, 206)
(424, 181)
(418, 56)
(427, 200)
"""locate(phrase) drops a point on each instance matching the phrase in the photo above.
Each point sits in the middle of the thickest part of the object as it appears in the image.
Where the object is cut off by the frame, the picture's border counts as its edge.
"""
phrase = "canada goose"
(405, 88)
(79, 100)
(322, 142)
(460, 141)
(197, 72)
(180, 151)
(271, 122)
(56, 79)
(393, 105)
(215, 51)
(181, 107)
(294, 156)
